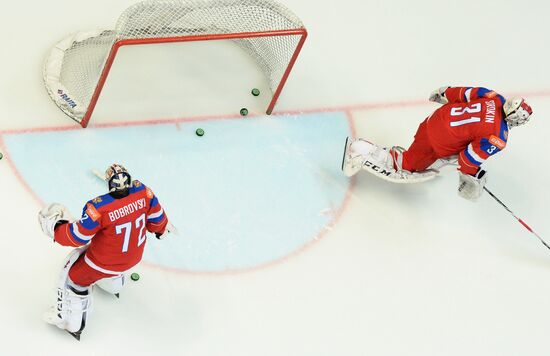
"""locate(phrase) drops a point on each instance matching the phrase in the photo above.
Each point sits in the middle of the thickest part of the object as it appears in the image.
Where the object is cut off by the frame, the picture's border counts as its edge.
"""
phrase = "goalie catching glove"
(52, 215)
(471, 187)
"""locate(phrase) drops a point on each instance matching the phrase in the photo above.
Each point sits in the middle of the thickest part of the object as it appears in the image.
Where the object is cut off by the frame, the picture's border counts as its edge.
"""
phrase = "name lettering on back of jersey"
(490, 114)
(92, 212)
(497, 142)
(127, 209)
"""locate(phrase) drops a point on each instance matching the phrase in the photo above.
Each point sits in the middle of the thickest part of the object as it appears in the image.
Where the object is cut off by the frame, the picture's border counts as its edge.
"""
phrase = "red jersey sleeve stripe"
(465, 165)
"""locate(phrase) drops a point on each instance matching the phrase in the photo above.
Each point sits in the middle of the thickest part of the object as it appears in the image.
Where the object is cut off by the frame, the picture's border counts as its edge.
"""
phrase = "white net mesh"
(75, 65)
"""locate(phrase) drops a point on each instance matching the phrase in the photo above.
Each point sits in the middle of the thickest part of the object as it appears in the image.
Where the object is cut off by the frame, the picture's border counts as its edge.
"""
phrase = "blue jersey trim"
(482, 91)
(73, 235)
(87, 222)
(154, 202)
(503, 134)
(135, 189)
(105, 199)
(488, 147)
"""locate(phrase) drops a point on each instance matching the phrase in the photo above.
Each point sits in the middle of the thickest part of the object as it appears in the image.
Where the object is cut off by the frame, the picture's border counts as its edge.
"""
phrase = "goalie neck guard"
(118, 178)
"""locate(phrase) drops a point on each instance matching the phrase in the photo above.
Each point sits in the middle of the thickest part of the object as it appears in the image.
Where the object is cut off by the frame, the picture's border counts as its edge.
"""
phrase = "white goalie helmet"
(517, 111)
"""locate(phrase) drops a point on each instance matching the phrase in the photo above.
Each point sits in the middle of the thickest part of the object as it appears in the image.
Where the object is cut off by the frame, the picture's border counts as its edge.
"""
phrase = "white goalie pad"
(111, 285)
(441, 163)
(73, 303)
(351, 161)
(378, 161)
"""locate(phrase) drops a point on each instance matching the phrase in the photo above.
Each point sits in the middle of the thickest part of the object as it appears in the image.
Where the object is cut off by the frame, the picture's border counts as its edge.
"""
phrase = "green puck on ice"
(244, 111)
(199, 132)
(1, 156)
(134, 276)
(255, 92)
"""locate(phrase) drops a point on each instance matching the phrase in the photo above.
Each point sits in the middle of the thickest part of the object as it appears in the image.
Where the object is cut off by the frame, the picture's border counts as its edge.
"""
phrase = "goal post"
(77, 68)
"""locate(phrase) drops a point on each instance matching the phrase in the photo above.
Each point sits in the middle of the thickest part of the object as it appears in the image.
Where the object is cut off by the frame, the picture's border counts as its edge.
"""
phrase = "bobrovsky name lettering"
(127, 209)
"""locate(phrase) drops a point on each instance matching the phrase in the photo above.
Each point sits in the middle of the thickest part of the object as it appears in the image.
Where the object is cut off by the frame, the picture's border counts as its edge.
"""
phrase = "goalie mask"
(118, 178)
(517, 111)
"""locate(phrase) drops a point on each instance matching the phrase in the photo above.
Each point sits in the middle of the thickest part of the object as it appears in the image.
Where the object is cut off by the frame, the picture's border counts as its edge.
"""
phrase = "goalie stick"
(98, 174)
(517, 218)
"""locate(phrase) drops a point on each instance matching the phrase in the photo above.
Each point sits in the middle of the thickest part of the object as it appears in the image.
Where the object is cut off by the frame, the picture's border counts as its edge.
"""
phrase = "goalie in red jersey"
(110, 238)
(471, 125)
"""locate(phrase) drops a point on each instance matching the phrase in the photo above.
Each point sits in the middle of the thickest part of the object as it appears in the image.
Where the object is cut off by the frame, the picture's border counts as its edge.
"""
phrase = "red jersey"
(115, 229)
(471, 126)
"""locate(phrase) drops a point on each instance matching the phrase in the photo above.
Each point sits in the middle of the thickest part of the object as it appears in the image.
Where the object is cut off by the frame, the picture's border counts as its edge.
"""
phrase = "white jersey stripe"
(467, 94)
(156, 215)
(79, 234)
(97, 268)
(474, 155)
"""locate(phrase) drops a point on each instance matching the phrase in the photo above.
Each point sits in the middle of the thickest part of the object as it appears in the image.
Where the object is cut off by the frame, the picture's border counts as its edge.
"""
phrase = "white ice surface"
(407, 270)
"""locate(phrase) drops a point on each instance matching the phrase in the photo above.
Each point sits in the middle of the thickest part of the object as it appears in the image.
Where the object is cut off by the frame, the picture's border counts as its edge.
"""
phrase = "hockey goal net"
(78, 66)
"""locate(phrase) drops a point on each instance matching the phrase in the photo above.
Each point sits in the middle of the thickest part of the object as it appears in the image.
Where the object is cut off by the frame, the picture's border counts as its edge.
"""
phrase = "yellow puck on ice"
(199, 132)
(255, 91)
(134, 277)
(244, 111)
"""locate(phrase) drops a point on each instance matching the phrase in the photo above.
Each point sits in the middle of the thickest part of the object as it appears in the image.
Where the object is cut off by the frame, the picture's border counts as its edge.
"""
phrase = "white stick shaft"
(98, 174)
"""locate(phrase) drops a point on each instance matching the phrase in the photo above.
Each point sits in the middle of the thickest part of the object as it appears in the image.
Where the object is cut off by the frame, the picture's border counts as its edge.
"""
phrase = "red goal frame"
(128, 42)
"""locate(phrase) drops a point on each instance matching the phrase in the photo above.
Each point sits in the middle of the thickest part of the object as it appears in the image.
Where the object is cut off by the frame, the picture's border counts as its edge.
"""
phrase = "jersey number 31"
(472, 109)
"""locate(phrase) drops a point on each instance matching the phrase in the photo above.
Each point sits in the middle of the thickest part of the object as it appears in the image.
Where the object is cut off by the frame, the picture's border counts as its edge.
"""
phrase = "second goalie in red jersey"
(110, 236)
(471, 125)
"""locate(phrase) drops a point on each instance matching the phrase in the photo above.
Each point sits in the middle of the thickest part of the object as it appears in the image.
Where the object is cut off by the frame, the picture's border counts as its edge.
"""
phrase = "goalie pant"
(471, 126)
(114, 230)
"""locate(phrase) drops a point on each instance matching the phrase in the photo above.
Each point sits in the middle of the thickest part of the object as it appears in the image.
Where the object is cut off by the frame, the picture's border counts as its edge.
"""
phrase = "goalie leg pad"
(111, 285)
(351, 163)
(440, 163)
(73, 303)
(382, 161)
